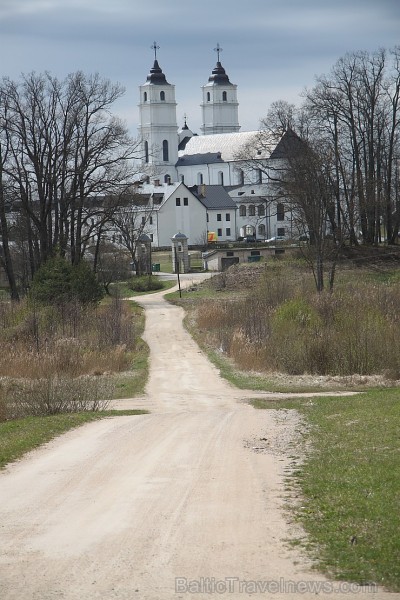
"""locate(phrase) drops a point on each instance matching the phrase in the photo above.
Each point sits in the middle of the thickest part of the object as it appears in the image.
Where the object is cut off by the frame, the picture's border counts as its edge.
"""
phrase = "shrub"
(84, 285)
(52, 282)
(145, 283)
(281, 326)
(55, 395)
(59, 282)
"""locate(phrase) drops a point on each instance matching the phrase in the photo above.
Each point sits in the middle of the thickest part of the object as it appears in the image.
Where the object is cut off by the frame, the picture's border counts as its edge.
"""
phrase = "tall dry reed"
(283, 325)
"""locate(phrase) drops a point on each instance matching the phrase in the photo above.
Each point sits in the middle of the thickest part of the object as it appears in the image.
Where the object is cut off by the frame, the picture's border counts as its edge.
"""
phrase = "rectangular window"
(151, 237)
(227, 217)
(219, 217)
(143, 220)
(208, 218)
(280, 232)
(178, 201)
(219, 232)
(186, 202)
(151, 220)
(228, 231)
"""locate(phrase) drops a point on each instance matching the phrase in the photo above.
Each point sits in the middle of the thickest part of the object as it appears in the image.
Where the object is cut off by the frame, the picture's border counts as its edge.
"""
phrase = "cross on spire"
(155, 48)
(218, 50)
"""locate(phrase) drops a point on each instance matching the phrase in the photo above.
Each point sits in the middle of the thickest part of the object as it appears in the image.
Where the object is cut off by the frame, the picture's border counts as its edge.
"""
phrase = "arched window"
(145, 96)
(261, 210)
(240, 176)
(261, 230)
(220, 178)
(259, 176)
(242, 210)
(165, 154)
(162, 96)
(167, 178)
(224, 97)
(252, 210)
(146, 151)
(280, 212)
(208, 96)
(200, 178)
(182, 179)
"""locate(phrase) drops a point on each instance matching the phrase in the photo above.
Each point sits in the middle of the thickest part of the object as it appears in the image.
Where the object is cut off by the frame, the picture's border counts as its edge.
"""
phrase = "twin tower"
(158, 123)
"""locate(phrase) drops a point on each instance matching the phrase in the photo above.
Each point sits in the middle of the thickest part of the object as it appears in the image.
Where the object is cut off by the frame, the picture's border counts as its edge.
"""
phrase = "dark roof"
(219, 75)
(213, 196)
(199, 159)
(183, 143)
(290, 144)
(139, 199)
(156, 75)
(158, 198)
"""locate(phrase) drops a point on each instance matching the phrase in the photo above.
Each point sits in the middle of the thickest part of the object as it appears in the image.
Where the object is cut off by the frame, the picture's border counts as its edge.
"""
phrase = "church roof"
(223, 147)
(289, 145)
(219, 76)
(159, 190)
(156, 76)
(213, 196)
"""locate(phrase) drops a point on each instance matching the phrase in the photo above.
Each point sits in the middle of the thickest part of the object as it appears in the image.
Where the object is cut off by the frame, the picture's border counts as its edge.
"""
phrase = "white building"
(163, 209)
(214, 158)
(169, 208)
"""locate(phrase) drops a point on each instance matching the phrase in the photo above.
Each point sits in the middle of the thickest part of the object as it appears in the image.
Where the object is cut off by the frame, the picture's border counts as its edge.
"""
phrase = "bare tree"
(5, 252)
(113, 265)
(131, 222)
(356, 110)
(306, 185)
(64, 151)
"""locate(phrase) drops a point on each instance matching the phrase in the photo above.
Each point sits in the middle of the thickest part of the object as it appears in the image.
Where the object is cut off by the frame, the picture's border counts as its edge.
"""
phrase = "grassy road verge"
(350, 483)
(22, 435)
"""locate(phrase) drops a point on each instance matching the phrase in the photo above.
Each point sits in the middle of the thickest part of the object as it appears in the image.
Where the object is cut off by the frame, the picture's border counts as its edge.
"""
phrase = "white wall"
(190, 220)
(228, 221)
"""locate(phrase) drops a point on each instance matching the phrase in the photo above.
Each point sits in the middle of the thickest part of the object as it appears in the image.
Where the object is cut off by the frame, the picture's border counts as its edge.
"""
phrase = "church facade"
(213, 158)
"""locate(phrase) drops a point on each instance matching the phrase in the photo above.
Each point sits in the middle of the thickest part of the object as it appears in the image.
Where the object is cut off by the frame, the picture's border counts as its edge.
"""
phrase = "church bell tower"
(220, 106)
(158, 126)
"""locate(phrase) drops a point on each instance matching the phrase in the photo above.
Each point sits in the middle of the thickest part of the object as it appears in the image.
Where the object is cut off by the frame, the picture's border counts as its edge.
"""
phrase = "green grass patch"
(132, 383)
(22, 435)
(350, 482)
(124, 289)
(164, 259)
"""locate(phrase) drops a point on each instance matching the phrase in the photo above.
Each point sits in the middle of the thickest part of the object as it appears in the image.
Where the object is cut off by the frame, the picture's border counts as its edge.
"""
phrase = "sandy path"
(122, 507)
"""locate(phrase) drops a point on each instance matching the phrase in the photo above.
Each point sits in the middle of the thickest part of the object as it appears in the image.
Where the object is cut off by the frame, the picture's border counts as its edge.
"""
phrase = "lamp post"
(177, 269)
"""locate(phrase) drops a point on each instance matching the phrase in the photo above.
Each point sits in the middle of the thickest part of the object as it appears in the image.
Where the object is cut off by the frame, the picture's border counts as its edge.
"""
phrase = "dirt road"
(177, 504)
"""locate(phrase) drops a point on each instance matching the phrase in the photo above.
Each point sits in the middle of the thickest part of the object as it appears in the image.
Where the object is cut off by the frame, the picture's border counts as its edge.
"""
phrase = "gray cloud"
(271, 50)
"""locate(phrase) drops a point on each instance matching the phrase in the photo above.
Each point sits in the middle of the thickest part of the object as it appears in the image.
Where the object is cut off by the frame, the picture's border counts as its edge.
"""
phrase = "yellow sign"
(211, 236)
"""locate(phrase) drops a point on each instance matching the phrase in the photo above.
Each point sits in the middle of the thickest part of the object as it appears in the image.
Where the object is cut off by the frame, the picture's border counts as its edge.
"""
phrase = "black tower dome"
(156, 75)
(219, 76)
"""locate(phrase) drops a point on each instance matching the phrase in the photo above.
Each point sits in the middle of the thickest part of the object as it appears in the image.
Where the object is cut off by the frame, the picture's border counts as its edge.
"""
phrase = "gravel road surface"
(187, 502)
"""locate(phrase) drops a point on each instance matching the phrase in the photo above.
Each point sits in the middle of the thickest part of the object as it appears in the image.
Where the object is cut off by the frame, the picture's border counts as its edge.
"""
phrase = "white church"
(196, 183)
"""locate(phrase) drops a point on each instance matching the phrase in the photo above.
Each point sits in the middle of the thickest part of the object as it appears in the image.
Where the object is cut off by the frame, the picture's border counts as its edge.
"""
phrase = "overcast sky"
(272, 49)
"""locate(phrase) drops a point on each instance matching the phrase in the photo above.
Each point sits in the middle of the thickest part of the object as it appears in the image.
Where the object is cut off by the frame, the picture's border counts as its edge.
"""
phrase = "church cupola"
(220, 106)
(156, 75)
(184, 135)
(158, 125)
